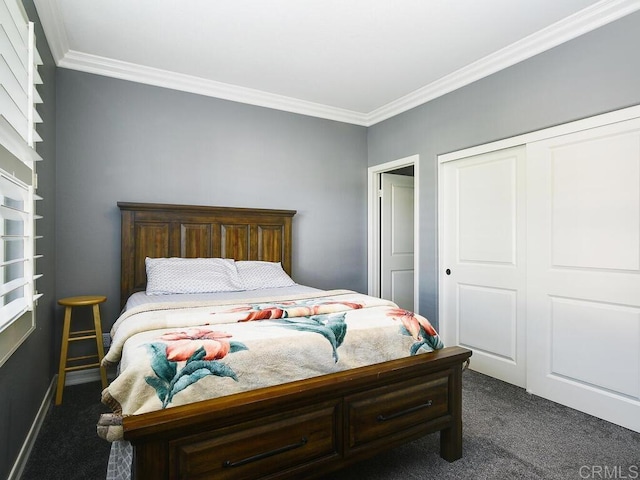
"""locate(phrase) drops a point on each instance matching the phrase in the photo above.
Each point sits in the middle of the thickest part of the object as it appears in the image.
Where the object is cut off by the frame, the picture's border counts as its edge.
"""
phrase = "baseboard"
(82, 376)
(27, 446)
(87, 376)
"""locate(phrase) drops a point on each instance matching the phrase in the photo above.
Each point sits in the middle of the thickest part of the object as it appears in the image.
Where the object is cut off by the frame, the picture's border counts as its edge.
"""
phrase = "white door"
(396, 240)
(482, 261)
(583, 332)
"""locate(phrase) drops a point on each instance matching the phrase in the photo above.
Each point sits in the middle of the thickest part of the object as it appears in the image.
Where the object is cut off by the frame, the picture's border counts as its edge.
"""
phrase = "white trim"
(82, 376)
(558, 130)
(373, 222)
(440, 249)
(53, 26)
(23, 456)
(177, 81)
(584, 21)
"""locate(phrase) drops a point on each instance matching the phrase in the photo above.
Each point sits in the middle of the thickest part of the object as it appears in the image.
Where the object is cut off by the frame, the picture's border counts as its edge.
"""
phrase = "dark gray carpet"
(68, 447)
(508, 434)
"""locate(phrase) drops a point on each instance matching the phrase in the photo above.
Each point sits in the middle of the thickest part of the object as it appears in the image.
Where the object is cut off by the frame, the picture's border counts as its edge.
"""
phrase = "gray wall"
(592, 74)
(123, 141)
(25, 377)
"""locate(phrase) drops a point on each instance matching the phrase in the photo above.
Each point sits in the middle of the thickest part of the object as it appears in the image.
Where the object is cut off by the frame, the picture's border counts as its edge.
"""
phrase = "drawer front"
(395, 408)
(261, 448)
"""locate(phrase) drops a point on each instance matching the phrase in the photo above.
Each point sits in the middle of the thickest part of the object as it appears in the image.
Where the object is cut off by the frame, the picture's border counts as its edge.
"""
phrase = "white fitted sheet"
(141, 298)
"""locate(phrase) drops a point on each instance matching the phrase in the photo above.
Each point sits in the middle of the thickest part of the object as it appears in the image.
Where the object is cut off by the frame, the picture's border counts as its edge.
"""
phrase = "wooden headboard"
(188, 231)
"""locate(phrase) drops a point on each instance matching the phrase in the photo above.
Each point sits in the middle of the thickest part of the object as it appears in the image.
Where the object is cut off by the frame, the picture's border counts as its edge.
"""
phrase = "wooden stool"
(69, 335)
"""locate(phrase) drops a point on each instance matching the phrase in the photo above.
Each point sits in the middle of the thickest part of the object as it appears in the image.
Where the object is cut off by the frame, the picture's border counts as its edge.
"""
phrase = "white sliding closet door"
(583, 271)
(482, 248)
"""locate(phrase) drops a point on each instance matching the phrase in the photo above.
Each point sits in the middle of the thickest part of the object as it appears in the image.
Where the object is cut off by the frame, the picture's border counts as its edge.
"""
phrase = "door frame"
(373, 216)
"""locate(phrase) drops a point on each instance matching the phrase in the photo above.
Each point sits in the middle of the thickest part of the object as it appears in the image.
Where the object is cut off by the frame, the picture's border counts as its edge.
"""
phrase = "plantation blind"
(19, 60)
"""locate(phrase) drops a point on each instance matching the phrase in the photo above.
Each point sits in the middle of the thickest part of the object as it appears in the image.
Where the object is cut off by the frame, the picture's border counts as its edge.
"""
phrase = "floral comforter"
(177, 353)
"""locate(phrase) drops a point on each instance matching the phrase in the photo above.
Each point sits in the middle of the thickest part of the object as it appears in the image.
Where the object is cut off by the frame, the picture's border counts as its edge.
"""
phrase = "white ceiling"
(356, 61)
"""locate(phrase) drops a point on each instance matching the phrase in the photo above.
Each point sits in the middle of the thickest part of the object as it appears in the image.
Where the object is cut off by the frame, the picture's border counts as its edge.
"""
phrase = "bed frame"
(303, 429)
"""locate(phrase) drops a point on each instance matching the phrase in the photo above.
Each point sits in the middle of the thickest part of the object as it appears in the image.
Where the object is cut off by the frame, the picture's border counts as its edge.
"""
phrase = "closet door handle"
(447, 271)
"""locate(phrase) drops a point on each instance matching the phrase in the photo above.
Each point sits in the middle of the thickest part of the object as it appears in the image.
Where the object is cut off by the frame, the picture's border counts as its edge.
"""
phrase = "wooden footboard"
(308, 428)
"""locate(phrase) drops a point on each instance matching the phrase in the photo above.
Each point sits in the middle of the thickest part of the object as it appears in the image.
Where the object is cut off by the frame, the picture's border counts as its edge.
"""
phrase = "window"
(18, 77)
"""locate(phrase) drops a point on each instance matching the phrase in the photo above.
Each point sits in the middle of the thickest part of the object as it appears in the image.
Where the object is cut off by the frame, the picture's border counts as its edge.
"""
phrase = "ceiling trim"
(53, 26)
(188, 83)
(591, 18)
(586, 20)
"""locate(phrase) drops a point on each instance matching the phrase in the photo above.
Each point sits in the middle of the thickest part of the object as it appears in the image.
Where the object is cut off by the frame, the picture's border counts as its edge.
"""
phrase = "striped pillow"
(191, 275)
(256, 274)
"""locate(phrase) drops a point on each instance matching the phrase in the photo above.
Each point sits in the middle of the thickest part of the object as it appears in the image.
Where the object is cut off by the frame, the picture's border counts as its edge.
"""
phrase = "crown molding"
(188, 83)
(53, 26)
(586, 20)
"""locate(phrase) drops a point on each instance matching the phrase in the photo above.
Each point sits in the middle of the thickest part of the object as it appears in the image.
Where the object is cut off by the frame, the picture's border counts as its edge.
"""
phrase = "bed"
(300, 428)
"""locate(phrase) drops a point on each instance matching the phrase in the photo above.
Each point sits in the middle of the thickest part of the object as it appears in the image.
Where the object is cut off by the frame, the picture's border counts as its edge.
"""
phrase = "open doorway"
(393, 231)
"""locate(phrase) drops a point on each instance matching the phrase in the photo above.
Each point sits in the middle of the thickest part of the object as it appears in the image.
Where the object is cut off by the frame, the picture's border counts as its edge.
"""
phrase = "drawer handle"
(383, 418)
(260, 456)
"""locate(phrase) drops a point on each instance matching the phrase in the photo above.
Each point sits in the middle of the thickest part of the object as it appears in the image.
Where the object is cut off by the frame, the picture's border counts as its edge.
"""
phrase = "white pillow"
(191, 275)
(255, 274)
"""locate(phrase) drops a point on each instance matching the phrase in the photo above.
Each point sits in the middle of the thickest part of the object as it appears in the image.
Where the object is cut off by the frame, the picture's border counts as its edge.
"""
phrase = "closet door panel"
(483, 277)
(581, 323)
(583, 271)
(488, 320)
(594, 211)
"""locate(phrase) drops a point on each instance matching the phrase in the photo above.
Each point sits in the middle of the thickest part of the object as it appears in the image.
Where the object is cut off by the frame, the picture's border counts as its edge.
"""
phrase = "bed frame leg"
(451, 438)
(451, 443)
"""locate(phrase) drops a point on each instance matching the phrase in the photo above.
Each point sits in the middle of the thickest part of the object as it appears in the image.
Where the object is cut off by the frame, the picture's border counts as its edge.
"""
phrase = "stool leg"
(63, 354)
(98, 327)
